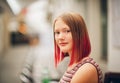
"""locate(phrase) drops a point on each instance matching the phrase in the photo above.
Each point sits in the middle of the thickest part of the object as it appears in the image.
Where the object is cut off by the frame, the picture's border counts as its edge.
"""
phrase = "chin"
(64, 51)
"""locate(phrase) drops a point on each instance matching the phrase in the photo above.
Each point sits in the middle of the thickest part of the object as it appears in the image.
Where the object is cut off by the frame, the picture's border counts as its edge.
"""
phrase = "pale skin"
(63, 37)
(85, 74)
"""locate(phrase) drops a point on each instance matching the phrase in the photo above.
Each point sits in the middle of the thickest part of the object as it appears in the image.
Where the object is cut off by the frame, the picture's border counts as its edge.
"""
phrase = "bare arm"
(85, 74)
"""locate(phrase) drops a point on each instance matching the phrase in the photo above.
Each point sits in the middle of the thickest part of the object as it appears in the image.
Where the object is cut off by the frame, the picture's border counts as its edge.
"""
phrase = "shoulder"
(87, 73)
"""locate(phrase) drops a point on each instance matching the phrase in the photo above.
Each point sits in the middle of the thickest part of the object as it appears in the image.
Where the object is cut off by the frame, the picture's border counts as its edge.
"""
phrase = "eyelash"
(65, 31)
(56, 32)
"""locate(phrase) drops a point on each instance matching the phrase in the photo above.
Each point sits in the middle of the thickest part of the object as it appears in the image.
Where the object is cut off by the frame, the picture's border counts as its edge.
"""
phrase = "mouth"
(62, 44)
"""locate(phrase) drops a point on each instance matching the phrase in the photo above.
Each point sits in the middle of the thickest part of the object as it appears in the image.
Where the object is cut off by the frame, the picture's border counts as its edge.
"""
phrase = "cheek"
(70, 39)
(56, 40)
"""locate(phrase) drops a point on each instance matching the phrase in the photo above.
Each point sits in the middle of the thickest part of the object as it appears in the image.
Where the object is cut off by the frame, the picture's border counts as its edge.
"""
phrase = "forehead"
(60, 24)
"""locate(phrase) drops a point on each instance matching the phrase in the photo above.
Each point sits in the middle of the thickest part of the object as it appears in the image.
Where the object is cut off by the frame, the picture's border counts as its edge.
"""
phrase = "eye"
(57, 32)
(67, 31)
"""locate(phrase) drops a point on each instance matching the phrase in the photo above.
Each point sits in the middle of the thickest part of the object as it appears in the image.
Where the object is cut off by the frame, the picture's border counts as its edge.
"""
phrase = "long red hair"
(81, 43)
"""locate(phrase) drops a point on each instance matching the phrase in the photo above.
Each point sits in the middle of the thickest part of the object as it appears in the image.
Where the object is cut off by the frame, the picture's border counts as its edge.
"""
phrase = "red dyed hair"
(81, 43)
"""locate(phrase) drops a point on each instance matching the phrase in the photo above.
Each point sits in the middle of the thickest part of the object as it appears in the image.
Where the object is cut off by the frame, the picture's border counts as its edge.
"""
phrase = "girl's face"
(63, 36)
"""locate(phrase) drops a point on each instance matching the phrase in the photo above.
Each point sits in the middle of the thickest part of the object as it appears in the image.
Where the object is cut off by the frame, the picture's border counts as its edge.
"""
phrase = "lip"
(62, 44)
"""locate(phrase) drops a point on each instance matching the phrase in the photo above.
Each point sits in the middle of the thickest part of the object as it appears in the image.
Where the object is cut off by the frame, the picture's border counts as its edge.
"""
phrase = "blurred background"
(22, 19)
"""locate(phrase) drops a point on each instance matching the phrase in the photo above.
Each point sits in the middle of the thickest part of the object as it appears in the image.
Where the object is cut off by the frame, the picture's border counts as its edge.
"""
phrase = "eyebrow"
(64, 28)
